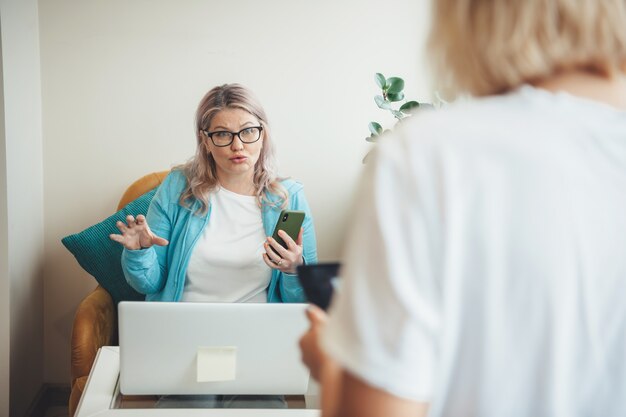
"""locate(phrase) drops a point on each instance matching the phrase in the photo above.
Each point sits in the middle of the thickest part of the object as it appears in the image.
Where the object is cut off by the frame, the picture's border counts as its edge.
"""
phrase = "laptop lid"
(211, 348)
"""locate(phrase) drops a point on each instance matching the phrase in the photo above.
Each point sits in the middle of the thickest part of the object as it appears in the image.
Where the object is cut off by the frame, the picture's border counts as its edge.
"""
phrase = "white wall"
(121, 80)
(24, 198)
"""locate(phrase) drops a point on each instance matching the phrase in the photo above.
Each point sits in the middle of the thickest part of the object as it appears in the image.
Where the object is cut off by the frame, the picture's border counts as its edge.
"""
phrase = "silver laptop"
(211, 348)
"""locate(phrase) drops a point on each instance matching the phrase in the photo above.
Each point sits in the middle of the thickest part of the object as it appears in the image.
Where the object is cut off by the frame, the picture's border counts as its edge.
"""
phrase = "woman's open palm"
(136, 234)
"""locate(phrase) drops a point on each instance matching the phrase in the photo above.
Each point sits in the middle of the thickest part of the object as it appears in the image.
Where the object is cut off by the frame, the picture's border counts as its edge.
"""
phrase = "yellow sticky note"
(217, 363)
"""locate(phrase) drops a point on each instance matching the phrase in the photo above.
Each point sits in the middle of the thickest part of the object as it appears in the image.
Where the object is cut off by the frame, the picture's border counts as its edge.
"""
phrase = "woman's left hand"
(284, 259)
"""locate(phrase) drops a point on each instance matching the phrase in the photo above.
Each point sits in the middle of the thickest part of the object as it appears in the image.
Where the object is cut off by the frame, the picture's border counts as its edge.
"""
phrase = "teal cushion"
(101, 257)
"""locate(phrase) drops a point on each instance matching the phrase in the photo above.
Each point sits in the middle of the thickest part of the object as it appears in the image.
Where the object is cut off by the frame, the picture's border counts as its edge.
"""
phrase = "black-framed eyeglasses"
(225, 138)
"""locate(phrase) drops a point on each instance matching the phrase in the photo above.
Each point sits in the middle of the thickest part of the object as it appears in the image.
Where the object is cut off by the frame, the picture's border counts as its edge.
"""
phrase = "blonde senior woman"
(485, 271)
(207, 233)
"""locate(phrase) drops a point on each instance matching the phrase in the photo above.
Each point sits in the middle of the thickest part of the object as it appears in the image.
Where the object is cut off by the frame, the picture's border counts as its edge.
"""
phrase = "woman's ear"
(205, 143)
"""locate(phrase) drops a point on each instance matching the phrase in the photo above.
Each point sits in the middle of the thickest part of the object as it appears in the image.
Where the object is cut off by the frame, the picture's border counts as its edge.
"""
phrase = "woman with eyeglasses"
(206, 234)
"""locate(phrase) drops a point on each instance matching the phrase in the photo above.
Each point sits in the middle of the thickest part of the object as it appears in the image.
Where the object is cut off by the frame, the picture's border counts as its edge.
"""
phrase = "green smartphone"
(290, 221)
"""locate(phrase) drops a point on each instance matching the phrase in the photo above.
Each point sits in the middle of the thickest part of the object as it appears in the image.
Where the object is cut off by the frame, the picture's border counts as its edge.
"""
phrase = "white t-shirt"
(485, 271)
(226, 264)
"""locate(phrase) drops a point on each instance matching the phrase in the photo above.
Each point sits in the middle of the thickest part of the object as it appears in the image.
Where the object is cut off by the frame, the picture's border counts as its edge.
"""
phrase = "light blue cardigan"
(159, 271)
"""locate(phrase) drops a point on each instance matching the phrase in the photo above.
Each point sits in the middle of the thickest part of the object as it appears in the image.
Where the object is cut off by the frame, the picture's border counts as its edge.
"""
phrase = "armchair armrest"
(95, 325)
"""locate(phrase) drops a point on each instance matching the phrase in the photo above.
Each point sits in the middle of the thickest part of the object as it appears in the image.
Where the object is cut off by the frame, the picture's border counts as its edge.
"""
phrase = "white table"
(102, 394)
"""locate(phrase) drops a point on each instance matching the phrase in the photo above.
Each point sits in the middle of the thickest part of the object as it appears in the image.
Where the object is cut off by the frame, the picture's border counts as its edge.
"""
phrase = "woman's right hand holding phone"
(136, 234)
(284, 259)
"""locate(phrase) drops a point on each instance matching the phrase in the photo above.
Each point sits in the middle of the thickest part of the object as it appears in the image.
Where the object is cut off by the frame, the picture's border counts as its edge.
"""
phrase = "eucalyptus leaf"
(393, 97)
(380, 80)
(394, 85)
(375, 128)
(382, 103)
(409, 106)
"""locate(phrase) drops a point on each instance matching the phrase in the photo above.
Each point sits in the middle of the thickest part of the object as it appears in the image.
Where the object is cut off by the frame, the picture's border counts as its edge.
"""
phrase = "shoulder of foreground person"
(481, 124)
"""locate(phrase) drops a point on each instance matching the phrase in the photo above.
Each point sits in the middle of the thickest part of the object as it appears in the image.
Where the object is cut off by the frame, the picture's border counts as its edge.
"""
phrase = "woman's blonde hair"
(492, 46)
(201, 170)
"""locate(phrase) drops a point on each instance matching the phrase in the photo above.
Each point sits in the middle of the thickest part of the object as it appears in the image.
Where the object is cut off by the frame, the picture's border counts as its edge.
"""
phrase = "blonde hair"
(492, 46)
(201, 170)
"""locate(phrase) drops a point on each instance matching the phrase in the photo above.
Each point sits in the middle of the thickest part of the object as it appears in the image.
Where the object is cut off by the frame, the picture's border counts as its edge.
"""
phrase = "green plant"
(392, 93)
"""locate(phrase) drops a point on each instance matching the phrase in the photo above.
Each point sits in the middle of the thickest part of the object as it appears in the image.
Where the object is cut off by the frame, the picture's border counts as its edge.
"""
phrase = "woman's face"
(237, 160)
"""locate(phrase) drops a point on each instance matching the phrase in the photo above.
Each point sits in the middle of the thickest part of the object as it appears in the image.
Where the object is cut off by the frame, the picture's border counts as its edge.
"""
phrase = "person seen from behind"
(484, 273)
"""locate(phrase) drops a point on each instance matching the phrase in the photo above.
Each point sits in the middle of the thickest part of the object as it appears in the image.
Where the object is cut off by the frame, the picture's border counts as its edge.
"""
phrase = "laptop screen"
(211, 348)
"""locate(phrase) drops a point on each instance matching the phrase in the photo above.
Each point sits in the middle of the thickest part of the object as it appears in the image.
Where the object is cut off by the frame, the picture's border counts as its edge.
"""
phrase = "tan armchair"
(95, 322)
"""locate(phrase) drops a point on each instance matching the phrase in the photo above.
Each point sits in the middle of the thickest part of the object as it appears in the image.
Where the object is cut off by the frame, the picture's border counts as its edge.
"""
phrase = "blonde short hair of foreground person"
(489, 47)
